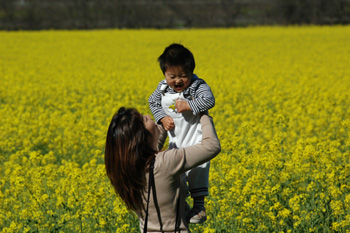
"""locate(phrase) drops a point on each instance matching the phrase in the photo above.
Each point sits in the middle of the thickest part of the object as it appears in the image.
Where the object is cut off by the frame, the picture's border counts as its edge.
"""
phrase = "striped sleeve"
(155, 103)
(203, 98)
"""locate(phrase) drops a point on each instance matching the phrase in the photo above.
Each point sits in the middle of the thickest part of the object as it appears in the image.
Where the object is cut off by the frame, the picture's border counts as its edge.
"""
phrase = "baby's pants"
(198, 180)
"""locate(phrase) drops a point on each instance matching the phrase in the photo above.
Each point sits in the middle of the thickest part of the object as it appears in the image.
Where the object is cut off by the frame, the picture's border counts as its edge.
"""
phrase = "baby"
(176, 104)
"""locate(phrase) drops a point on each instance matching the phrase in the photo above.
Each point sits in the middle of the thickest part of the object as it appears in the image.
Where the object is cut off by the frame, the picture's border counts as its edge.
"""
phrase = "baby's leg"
(198, 180)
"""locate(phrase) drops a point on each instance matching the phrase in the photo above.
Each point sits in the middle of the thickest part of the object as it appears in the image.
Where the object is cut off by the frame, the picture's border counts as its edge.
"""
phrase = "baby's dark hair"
(177, 55)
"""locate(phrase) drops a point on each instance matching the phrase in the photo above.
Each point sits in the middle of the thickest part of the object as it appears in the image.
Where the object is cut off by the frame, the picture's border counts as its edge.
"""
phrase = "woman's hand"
(168, 123)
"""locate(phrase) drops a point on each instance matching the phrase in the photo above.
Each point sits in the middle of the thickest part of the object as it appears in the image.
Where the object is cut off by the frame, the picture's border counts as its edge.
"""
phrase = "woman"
(132, 159)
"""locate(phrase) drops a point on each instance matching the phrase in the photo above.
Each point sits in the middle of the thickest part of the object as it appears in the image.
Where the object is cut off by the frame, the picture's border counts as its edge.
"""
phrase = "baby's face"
(177, 79)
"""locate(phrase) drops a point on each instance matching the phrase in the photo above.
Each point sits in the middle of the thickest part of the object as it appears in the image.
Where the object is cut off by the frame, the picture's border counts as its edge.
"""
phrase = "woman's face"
(150, 125)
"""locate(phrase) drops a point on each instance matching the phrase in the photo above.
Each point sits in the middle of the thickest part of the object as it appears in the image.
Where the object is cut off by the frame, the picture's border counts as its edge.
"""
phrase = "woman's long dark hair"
(127, 156)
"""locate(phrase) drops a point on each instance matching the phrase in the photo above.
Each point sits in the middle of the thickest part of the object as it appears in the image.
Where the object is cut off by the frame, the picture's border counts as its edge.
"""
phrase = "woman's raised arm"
(207, 150)
(163, 135)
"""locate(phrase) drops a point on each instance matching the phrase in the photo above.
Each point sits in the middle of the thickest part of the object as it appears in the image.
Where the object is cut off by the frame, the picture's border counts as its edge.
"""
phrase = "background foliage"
(282, 115)
(92, 14)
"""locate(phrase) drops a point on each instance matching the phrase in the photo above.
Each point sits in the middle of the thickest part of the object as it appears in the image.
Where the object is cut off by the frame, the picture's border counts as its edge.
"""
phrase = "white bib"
(187, 131)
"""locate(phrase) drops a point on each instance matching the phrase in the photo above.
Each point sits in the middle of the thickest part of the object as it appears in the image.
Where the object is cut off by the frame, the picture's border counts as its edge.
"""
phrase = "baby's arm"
(156, 108)
(202, 101)
(155, 104)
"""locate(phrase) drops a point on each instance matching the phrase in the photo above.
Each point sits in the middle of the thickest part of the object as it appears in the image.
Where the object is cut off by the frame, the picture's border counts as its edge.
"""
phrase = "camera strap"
(151, 185)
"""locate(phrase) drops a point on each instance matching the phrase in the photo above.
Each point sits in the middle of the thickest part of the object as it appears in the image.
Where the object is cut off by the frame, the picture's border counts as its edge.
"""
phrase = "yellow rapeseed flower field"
(282, 114)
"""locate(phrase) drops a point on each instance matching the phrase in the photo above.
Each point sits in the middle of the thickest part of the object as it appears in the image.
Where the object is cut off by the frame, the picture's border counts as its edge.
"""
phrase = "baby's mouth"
(178, 86)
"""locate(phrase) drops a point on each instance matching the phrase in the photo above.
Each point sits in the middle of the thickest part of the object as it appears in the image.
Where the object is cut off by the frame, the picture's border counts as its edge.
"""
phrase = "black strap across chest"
(151, 186)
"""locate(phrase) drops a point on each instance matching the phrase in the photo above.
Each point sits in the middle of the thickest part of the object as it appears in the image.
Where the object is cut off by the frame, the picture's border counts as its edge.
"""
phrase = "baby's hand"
(168, 123)
(182, 106)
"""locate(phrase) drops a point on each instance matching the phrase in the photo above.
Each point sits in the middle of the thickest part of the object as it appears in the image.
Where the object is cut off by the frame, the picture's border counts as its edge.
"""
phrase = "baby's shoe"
(197, 216)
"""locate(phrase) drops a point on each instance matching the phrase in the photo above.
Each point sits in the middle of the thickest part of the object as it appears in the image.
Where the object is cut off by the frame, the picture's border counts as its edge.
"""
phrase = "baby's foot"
(197, 216)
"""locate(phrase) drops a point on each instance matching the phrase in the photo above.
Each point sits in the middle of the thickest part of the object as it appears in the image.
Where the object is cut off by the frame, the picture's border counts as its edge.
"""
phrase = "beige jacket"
(169, 166)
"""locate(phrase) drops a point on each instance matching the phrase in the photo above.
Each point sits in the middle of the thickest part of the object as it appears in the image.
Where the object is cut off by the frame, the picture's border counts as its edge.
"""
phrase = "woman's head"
(128, 152)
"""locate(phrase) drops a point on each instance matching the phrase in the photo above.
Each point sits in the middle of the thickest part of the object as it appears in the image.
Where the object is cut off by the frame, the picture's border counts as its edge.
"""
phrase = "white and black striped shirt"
(199, 96)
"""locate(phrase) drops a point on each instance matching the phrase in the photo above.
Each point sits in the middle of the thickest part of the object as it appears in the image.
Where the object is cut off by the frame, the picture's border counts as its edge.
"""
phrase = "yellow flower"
(172, 107)
(281, 115)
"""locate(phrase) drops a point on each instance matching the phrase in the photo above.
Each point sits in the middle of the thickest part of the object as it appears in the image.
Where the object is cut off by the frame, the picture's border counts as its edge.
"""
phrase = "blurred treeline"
(91, 14)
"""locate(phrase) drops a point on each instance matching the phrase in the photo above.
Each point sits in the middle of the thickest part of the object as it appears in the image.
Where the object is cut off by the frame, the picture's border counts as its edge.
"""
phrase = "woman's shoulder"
(171, 159)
